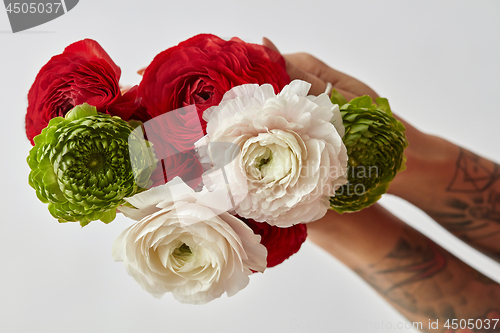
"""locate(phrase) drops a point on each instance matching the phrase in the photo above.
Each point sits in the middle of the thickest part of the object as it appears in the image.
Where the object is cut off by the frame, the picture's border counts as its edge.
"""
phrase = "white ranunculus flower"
(187, 244)
(292, 158)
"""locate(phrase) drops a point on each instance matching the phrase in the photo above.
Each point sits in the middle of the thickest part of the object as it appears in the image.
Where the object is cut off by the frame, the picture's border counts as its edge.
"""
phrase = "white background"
(437, 61)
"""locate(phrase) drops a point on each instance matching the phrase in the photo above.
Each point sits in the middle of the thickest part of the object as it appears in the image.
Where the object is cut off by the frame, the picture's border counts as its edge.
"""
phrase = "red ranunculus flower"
(281, 243)
(201, 69)
(84, 72)
(198, 72)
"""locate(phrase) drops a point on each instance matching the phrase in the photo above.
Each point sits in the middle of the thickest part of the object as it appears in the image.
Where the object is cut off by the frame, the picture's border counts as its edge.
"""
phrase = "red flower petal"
(281, 243)
(83, 73)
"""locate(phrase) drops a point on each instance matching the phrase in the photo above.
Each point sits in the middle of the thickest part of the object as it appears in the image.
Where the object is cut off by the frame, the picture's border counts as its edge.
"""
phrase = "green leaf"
(337, 98)
(358, 128)
(349, 117)
(383, 104)
(81, 111)
(83, 223)
(108, 216)
(362, 102)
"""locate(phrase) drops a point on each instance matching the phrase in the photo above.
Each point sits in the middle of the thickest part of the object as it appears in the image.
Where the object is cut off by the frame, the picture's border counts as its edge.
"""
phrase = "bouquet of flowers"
(219, 157)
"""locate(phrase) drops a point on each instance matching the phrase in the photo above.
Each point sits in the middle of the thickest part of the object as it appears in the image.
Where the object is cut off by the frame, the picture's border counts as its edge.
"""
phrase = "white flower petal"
(292, 154)
(189, 247)
(148, 199)
(296, 87)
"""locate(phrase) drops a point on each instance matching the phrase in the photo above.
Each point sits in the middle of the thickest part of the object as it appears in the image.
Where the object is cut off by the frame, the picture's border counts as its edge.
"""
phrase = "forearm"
(457, 188)
(419, 278)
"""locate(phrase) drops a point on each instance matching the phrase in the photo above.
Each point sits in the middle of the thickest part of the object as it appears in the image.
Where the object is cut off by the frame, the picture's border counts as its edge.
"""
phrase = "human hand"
(304, 66)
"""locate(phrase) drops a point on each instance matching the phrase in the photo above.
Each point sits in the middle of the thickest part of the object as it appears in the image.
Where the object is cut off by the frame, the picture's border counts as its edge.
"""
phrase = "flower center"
(201, 92)
(204, 95)
(95, 162)
(271, 163)
(265, 159)
(182, 253)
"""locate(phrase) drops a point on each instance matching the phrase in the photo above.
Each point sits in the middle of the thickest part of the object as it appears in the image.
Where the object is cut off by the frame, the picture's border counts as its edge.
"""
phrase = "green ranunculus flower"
(375, 143)
(81, 166)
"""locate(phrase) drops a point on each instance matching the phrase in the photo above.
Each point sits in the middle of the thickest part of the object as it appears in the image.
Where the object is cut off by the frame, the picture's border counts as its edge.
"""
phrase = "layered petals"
(292, 156)
(187, 244)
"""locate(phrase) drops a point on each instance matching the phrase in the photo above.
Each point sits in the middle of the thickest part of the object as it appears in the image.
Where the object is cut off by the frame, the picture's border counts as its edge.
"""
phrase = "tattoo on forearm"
(411, 261)
(426, 262)
(473, 174)
(427, 282)
(472, 210)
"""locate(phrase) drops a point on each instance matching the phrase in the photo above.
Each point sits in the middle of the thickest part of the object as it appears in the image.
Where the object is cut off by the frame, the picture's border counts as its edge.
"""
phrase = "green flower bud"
(375, 143)
(80, 166)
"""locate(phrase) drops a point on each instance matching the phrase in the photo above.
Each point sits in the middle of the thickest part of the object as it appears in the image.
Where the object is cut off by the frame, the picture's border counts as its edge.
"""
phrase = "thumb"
(318, 86)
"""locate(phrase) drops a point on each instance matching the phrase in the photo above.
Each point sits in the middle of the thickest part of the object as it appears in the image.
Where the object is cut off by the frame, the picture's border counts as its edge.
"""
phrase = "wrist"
(359, 238)
(429, 169)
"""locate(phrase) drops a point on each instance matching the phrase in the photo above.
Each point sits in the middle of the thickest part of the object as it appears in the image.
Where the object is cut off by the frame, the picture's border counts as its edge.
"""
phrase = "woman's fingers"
(318, 86)
(347, 94)
(267, 43)
(304, 66)
(339, 80)
(316, 67)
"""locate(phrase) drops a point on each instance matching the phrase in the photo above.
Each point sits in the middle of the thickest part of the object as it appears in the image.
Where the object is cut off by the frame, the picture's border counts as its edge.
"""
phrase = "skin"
(458, 189)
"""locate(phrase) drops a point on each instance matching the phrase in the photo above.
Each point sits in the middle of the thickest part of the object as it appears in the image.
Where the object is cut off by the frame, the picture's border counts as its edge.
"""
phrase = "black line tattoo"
(472, 211)
(431, 262)
(427, 282)
(473, 174)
